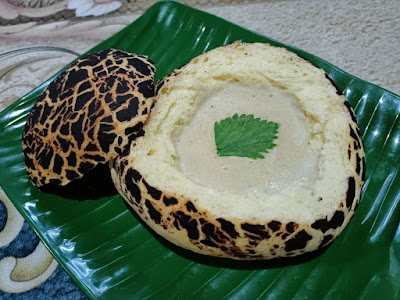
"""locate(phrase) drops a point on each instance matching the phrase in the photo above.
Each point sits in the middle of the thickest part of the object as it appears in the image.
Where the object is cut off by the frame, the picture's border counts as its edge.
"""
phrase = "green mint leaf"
(244, 136)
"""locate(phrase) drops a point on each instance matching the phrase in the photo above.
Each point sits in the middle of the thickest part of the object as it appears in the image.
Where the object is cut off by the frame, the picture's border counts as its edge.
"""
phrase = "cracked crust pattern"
(87, 115)
(181, 221)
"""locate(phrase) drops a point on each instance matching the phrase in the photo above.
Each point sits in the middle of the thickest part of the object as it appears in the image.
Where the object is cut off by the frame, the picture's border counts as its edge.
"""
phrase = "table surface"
(37, 38)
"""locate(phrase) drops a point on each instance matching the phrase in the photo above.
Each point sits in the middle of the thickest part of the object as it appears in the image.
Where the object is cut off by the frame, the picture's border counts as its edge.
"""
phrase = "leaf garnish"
(245, 136)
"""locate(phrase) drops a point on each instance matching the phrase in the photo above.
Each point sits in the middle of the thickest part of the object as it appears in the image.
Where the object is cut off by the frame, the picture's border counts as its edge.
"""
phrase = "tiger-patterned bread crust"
(200, 219)
(87, 115)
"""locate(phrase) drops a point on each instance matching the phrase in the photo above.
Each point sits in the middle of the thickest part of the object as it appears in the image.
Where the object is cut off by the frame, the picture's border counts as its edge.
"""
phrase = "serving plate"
(110, 254)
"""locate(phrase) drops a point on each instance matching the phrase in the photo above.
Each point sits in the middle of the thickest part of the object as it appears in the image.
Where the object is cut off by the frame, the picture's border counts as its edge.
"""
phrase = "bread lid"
(87, 115)
(220, 221)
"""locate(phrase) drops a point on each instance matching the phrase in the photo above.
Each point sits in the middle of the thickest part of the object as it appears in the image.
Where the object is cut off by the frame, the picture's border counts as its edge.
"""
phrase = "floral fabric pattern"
(27, 269)
(93, 8)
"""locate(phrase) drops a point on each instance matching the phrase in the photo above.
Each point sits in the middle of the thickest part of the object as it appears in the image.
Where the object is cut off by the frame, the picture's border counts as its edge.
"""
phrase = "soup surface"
(289, 163)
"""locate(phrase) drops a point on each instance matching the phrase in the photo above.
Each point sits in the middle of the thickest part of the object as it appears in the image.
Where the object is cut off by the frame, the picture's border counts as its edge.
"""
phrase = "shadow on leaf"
(97, 183)
(227, 262)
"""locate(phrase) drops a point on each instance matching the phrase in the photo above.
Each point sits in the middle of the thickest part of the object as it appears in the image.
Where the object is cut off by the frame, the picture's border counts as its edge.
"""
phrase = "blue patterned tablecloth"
(27, 269)
(39, 37)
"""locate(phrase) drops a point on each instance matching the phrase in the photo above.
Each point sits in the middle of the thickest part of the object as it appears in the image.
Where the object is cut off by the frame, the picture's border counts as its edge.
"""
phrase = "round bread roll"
(87, 115)
(297, 199)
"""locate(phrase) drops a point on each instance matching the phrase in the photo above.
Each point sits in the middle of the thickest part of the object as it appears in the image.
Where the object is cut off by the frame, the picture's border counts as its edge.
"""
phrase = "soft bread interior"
(326, 121)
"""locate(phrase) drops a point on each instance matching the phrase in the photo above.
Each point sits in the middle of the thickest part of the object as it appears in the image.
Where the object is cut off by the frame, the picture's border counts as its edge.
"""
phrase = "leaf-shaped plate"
(112, 255)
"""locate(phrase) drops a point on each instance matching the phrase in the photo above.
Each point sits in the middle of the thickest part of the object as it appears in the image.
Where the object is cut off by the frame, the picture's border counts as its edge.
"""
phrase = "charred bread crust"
(87, 115)
(185, 222)
(178, 218)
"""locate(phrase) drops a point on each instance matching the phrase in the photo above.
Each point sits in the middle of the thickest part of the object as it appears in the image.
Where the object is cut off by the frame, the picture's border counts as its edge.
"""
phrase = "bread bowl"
(261, 221)
(87, 115)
